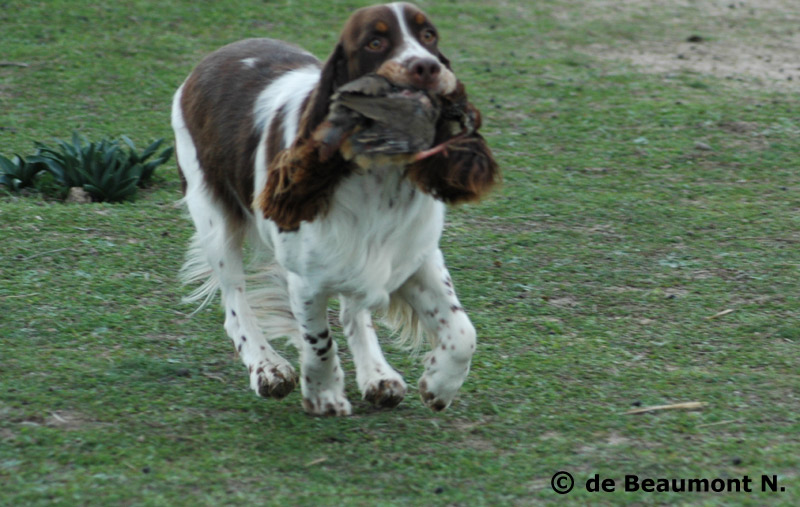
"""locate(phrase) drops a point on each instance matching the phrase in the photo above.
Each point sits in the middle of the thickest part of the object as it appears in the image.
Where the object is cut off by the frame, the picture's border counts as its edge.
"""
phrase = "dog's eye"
(376, 44)
(428, 36)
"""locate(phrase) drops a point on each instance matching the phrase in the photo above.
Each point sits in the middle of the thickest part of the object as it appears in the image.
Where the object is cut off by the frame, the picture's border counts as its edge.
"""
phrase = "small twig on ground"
(689, 405)
(720, 314)
(316, 462)
(58, 418)
(215, 377)
(14, 64)
(718, 423)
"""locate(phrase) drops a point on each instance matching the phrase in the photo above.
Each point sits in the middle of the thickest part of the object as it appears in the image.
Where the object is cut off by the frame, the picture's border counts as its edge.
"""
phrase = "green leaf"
(6, 165)
(166, 154)
(151, 149)
(18, 172)
(137, 171)
(127, 140)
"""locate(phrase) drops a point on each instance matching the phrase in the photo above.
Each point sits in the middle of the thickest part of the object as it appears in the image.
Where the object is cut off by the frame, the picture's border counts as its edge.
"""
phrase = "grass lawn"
(643, 250)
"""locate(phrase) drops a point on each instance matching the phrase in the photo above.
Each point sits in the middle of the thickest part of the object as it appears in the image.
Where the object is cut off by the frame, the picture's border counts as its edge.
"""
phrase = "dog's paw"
(439, 385)
(273, 381)
(433, 400)
(327, 403)
(323, 392)
(386, 393)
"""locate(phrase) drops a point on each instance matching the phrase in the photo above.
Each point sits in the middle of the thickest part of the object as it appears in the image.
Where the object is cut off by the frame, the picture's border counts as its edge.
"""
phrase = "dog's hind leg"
(216, 255)
(219, 245)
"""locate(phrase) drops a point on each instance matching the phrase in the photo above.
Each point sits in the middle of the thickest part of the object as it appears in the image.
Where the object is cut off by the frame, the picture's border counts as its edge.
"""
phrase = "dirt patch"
(565, 302)
(771, 68)
(751, 43)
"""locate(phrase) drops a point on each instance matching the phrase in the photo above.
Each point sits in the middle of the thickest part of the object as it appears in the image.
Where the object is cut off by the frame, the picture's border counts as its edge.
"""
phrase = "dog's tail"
(401, 318)
(196, 269)
(267, 292)
(268, 295)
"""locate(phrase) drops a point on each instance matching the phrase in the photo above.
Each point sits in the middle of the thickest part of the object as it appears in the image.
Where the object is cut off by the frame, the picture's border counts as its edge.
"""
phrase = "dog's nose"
(424, 72)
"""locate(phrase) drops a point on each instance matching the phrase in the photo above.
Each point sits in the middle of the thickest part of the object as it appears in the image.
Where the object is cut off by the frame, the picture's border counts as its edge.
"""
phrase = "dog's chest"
(376, 234)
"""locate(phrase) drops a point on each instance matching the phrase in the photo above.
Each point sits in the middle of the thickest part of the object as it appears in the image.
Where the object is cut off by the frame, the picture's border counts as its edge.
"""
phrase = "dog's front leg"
(430, 292)
(378, 382)
(321, 375)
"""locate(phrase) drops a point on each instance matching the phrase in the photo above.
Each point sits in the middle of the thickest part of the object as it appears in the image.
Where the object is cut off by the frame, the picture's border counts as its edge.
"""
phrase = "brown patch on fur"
(299, 181)
(324, 350)
(299, 185)
(334, 74)
(217, 106)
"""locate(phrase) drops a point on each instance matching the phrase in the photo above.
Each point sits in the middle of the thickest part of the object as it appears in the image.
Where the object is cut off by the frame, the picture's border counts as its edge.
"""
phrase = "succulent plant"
(108, 170)
(135, 158)
(104, 168)
(17, 173)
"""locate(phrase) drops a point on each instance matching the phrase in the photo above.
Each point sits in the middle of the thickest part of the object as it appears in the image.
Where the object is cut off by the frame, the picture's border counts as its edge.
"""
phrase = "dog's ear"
(465, 172)
(334, 74)
(299, 182)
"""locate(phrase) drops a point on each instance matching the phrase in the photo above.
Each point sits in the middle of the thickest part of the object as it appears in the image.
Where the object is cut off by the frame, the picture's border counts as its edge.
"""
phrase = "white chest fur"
(376, 234)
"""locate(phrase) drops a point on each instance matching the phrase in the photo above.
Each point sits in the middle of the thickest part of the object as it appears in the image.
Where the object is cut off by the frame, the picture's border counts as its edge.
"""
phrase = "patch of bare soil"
(755, 43)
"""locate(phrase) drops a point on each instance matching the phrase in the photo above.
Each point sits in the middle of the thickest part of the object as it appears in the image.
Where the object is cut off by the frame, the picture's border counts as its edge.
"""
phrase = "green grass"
(591, 275)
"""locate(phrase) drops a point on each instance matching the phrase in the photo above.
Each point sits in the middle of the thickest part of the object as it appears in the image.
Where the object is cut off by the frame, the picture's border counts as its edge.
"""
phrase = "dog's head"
(397, 41)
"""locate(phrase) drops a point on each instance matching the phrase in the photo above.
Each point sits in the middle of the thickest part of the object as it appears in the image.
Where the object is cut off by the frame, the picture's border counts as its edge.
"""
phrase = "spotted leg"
(217, 250)
(270, 374)
(321, 375)
(430, 292)
(378, 382)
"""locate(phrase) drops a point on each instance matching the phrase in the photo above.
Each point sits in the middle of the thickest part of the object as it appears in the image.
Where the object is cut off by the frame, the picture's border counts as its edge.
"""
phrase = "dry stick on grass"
(58, 418)
(13, 64)
(215, 377)
(689, 405)
(720, 314)
(316, 462)
(719, 423)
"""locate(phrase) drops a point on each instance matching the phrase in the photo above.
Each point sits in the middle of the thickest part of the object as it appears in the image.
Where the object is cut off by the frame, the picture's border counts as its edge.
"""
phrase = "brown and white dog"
(244, 124)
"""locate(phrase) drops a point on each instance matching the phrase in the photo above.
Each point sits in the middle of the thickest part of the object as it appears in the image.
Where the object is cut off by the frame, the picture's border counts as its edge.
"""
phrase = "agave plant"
(19, 172)
(104, 168)
(148, 168)
(66, 160)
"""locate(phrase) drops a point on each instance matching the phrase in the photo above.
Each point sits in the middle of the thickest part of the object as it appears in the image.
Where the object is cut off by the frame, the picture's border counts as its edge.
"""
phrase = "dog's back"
(218, 104)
